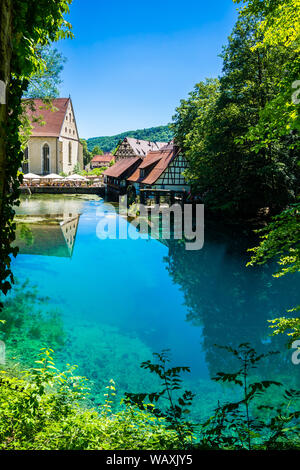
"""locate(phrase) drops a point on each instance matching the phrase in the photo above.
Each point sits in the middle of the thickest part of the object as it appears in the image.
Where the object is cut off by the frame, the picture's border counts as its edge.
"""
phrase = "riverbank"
(99, 191)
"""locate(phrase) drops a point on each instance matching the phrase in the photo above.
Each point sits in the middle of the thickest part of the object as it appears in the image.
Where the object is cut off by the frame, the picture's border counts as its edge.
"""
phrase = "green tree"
(87, 156)
(192, 124)
(97, 151)
(77, 169)
(45, 83)
(280, 21)
(278, 28)
(225, 169)
(281, 241)
(25, 26)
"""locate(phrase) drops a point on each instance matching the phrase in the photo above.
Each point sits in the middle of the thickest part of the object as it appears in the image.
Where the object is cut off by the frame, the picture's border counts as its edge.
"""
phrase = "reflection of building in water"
(51, 235)
(159, 226)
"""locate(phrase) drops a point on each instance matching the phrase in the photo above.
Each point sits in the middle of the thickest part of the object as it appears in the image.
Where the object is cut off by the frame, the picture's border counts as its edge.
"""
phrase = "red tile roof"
(168, 154)
(142, 147)
(160, 159)
(135, 177)
(121, 166)
(107, 158)
(150, 159)
(53, 116)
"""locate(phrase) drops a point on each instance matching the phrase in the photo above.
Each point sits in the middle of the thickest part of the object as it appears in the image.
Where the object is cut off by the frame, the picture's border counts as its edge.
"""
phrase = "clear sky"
(131, 62)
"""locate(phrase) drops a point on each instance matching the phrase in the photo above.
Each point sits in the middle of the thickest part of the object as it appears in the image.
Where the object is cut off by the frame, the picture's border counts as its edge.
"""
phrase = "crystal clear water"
(107, 305)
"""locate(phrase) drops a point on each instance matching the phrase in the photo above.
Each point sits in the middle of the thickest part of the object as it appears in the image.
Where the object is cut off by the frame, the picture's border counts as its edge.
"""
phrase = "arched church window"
(70, 152)
(46, 159)
(25, 163)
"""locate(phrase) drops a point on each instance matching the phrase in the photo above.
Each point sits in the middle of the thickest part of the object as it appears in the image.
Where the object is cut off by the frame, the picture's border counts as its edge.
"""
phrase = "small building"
(131, 147)
(128, 156)
(99, 161)
(54, 145)
(162, 169)
(117, 175)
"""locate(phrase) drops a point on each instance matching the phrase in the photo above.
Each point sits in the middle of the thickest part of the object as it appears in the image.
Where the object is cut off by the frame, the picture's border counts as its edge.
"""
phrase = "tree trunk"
(5, 64)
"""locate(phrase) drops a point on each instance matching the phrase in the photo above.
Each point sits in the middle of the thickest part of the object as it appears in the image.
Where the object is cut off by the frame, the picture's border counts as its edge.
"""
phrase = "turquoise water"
(107, 305)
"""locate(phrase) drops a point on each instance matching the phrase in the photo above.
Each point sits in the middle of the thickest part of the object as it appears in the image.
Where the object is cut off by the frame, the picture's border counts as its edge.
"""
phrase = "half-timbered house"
(131, 147)
(116, 176)
(129, 155)
(162, 170)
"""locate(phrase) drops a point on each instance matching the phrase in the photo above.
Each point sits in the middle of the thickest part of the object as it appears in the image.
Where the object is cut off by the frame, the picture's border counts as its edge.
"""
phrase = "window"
(66, 129)
(70, 153)
(66, 118)
(46, 159)
(25, 163)
(70, 117)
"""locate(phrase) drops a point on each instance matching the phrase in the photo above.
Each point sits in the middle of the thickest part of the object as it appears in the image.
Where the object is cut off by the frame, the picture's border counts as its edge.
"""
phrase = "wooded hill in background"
(155, 134)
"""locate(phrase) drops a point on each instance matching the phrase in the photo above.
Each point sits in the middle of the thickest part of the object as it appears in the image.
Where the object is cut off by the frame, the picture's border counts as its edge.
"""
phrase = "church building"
(54, 145)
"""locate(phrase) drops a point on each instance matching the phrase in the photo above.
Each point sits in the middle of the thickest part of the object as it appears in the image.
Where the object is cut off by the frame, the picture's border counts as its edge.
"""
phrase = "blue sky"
(131, 62)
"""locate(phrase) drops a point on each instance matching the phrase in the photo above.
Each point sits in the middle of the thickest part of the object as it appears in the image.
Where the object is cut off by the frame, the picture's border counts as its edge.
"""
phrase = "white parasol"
(31, 176)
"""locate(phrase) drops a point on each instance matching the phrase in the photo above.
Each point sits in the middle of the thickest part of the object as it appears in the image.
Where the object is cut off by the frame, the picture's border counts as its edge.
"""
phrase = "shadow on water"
(232, 303)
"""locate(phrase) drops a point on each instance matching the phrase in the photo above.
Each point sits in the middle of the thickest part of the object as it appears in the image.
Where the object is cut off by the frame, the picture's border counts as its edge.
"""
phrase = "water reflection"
(233, 303)
(53, 235)
(47, 227)
(149, 296)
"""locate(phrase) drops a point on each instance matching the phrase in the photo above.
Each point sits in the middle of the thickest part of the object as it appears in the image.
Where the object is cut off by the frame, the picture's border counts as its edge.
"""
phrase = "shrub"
(45, 409)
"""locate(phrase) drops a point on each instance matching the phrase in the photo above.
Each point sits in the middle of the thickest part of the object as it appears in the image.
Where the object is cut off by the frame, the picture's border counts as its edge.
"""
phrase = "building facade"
(98, 161)
(117, 175)
(130, 147)
(128, 156)
(54, 145)
(161, 170)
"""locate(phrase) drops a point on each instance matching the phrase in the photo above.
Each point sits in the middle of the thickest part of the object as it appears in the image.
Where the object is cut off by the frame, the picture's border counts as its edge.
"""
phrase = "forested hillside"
(155, 134)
